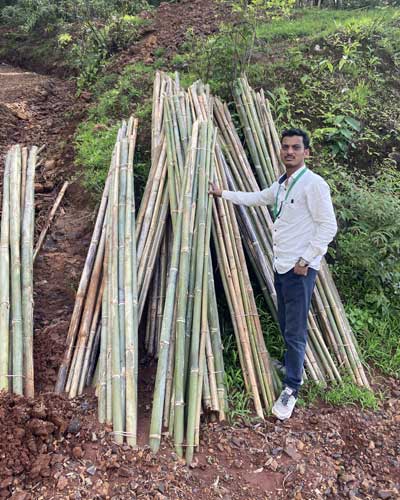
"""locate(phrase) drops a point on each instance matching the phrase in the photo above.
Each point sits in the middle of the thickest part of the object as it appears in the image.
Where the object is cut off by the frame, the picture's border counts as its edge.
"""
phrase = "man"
(304, 225)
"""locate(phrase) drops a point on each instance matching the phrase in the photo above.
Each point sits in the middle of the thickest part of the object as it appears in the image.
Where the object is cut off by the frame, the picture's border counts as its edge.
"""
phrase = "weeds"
(345, 393)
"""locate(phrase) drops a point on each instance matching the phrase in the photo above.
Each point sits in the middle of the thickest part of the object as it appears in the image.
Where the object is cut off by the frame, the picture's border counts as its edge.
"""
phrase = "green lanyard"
(277, 212)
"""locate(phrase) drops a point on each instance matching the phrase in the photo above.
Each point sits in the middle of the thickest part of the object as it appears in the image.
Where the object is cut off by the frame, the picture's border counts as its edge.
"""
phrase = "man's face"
(293, 152)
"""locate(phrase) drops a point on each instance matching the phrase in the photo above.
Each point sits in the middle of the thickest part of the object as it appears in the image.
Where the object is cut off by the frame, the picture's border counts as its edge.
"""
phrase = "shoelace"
(285, 398)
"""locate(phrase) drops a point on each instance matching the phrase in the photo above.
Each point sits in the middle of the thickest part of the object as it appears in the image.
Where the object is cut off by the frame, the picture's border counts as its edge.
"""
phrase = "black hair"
(296, 132)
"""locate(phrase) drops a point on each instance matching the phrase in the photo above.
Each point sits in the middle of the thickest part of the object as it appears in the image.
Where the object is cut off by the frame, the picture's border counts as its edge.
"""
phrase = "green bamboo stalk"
(74, 376)
(216, 342)
(5, 278)
(116, 382)
(102, 389)
(109, 407)
(131, 307)
(160, 383)
(24, 167)
(82, 289)
(88, 350)
(27, 272)
(204, 159)
(16, 296)
(121, 262)
(244, 118)
(182, 297)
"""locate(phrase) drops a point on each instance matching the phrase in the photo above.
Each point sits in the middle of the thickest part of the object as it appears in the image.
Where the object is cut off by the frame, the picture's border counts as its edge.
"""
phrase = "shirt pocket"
(289, 210)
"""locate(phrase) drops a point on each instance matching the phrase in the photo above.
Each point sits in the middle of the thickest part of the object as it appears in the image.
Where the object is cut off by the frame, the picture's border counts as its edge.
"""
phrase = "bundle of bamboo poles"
(260, 377)
(332, 349)
(118, 360)
(190, 365)
(184, 116)
(16, 271)
(102, 336)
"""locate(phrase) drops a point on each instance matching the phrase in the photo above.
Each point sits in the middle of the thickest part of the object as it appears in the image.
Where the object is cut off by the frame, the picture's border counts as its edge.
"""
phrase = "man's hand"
(214, 190)
(300, 270)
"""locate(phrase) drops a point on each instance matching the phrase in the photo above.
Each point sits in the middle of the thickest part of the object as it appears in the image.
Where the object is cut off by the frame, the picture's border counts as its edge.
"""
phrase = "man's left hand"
(300, 270)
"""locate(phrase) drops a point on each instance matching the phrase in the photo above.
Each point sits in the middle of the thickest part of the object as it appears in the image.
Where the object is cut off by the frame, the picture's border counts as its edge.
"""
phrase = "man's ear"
(307, 152)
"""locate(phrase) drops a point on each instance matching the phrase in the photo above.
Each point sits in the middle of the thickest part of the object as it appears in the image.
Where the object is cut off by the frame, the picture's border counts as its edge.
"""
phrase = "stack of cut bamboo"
(16, 271)
(332, 345)
(185, 114)
(102, 338)
(173, 294)
(190, 366)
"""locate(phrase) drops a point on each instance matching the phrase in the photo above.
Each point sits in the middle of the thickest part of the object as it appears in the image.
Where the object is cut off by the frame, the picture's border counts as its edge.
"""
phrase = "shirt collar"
(283, 178)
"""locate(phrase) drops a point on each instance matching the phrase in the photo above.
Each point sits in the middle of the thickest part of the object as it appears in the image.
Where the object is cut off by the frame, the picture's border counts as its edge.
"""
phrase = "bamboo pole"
(162, 365)
(83, 286)
(5, 278)
(28, 222)
(131, 297)
(116, 382)
(50, 218)
(15, 253)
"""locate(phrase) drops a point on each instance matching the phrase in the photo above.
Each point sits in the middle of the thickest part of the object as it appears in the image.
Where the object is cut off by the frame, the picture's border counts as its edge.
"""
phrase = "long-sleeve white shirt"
(306, 223)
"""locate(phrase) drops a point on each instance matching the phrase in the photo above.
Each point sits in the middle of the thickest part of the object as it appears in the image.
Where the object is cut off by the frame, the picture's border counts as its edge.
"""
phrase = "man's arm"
(319, 203)
(249, 199)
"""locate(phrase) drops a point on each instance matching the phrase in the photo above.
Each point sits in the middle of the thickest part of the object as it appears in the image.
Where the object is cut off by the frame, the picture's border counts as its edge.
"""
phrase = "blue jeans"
(294, 297)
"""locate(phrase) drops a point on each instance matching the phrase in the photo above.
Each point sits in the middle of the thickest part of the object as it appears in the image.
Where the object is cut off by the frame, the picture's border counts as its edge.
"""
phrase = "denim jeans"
(294, 297)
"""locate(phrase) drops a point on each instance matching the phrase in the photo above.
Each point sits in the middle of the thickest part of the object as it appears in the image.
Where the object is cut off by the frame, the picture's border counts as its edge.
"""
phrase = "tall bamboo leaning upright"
(15, 252)
(131, 298)
(5, 278)
(28, 221)
(83, 286)
(166, 330)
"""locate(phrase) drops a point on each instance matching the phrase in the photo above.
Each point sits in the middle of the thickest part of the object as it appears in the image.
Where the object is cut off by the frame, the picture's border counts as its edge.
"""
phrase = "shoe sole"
(279, 416)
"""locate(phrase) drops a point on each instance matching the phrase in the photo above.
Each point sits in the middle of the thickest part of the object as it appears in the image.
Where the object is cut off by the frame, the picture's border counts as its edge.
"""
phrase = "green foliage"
(341, 86)
(238, 398)
(367, 261)
(345, 393)
(94, 145)
(95, 44)
(45, 16)
(220, 58)
(64, 39)
(88, 31)
(378, 338)
(368, 242)
(339, 133)
(117, 96)
(309, 23)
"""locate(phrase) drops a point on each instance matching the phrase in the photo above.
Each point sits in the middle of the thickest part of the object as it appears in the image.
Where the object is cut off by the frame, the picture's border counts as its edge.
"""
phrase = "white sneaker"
(284, 405)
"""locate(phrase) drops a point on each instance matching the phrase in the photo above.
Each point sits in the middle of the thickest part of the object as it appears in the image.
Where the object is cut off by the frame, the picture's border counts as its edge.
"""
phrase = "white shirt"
(306, 223)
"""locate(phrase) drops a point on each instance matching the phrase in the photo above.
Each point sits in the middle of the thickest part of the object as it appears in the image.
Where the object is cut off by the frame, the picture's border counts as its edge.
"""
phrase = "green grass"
(272, 335)
(320, 23)
(94, 146)
(346, 393)
(116, 97)
(238, 399)
(378, 336)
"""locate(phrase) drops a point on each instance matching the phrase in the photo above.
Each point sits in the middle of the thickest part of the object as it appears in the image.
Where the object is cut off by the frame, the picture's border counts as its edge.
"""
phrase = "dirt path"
(33, 111)
(52, 448)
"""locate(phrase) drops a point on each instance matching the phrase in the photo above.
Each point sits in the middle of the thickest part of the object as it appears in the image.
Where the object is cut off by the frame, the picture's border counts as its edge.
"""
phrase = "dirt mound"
(7, 118)
(54, 448)
(169, 27)
(51, 448)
